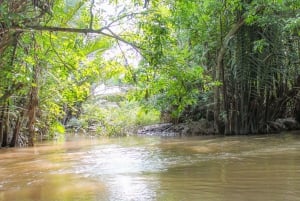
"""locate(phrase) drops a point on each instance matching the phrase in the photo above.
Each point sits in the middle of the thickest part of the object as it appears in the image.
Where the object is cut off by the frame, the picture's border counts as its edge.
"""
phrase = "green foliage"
(56, 129)
(72, 63)
(259, 45)
(171, 76)
(118, 119)
(69, 62)
(192, 58)
(230, 52)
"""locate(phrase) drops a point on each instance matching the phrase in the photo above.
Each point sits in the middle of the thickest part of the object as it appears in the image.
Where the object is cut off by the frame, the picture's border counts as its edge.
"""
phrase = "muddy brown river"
(255, 168)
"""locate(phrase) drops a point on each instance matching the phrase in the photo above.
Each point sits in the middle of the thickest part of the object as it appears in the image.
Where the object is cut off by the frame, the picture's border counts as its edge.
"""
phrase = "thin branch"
(15, 44)
(127, 63)
(146, 3)
(136, 48)
(120, 17)
(58, 55)
(123, 54)
(91, 14)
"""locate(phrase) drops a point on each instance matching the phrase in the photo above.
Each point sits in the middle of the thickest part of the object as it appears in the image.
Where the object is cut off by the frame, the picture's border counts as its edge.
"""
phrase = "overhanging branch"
(76, 30)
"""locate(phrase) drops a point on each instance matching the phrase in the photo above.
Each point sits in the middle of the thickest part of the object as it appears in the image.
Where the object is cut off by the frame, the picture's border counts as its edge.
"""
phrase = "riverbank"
(204, 127)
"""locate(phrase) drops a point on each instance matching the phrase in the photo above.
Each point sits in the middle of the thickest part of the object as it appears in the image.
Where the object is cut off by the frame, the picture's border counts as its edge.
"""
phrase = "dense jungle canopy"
(234, 63)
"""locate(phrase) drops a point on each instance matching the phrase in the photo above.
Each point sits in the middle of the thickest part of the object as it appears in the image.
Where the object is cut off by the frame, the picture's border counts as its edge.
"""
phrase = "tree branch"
(226, 40)
(58, 55)
(91, 14)
(76, 30)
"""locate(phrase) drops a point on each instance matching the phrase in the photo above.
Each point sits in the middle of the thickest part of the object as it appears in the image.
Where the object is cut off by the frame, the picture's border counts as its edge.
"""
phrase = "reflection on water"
(151, 168)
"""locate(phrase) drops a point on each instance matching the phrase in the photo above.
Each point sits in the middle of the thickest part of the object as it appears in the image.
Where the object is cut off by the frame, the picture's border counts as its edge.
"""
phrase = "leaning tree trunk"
(219, 72)
(32, 105)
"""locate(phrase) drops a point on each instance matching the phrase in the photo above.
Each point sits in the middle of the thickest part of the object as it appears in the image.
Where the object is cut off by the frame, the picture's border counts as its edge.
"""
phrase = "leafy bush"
(56, 129)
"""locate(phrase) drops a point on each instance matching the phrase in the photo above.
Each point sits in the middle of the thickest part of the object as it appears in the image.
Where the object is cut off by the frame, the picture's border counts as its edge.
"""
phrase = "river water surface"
(258, 168)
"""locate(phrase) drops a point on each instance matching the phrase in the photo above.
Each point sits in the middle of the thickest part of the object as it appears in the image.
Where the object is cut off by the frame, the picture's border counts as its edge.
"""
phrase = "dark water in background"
(265, 168)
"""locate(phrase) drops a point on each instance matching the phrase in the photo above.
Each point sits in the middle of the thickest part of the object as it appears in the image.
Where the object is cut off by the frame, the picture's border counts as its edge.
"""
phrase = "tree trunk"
(15, 137)
(1, 125)
(219, 72)
(5, 126)
(32, 106)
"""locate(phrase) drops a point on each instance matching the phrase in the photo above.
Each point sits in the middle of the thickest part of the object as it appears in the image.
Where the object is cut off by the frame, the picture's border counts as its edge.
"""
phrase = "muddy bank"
(204, 127)
(193, 128)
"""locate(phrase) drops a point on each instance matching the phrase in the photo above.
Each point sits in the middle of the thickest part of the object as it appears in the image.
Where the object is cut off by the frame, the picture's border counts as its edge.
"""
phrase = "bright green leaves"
(170, 76)
(156, 34)
(177, 85)
(66, 14)
(259, 45)
(74, 63)
(293, 25)
(75, 94)
(98, 44)
(264, 13)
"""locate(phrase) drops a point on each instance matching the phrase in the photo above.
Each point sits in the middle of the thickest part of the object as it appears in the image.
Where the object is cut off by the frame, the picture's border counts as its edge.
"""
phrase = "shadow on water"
(152, 168)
